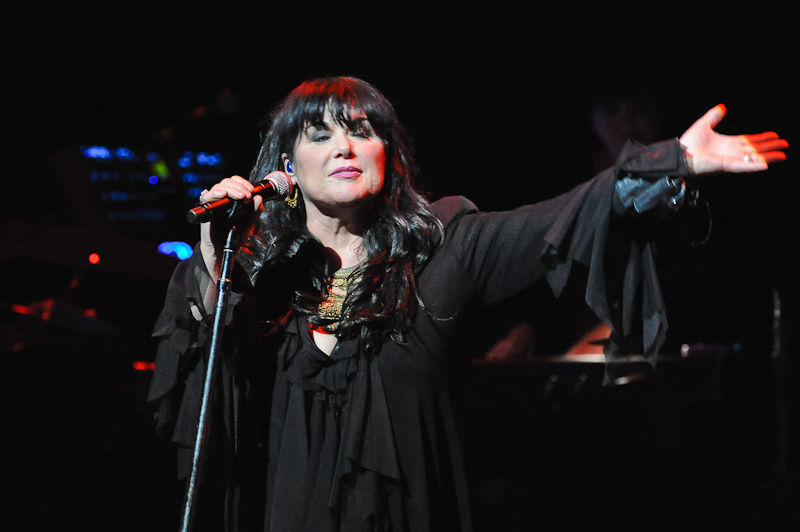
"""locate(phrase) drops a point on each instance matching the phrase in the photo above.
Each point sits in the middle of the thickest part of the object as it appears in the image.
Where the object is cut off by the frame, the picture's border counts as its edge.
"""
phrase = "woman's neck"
(341, 235)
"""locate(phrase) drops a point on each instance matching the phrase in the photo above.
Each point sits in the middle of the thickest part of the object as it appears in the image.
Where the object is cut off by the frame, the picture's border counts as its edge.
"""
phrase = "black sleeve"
(184, 331)
(501, 253)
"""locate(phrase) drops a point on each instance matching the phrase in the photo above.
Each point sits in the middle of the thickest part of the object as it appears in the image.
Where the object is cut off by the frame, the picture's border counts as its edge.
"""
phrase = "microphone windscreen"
(280, 181)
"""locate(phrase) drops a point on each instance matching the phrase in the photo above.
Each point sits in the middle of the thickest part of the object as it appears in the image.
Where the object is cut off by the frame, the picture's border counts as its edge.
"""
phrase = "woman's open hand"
(708, 151)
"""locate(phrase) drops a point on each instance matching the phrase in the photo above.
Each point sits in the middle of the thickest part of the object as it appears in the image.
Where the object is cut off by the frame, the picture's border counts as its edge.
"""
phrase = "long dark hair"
(400, 235)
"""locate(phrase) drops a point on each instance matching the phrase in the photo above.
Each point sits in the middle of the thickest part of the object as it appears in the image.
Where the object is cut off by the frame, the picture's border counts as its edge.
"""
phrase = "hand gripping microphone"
(274, 185)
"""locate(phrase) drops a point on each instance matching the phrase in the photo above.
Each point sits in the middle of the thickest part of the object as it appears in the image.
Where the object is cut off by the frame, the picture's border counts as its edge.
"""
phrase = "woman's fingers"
(764, 144)
(761, 137)
(771, 156)
(235, 187)
(714, 115)
(258, 203)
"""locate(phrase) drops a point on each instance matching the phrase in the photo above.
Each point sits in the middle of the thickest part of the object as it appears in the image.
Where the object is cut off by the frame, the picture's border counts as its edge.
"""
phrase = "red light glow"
(20, 309)
(144, 366)
(94, 258)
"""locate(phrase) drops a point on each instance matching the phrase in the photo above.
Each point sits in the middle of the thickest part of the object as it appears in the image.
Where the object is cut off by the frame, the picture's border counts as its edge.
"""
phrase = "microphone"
(274, 185)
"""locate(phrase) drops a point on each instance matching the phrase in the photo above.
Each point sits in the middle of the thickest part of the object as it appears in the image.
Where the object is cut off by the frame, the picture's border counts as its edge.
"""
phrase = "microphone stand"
(220, 307)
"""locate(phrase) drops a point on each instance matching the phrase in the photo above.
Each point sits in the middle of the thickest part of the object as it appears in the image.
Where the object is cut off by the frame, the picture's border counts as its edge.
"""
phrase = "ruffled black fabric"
(580, 235)
(334, 457)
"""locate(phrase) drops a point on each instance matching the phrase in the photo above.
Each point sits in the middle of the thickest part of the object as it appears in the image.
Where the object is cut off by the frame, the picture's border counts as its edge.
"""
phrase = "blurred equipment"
(137, 193)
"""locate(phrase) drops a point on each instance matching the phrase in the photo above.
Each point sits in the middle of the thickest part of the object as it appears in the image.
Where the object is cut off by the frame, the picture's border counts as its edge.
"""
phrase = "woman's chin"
(346, 203)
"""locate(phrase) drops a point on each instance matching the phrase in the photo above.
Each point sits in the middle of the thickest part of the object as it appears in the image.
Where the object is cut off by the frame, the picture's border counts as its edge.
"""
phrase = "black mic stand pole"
(223, 290)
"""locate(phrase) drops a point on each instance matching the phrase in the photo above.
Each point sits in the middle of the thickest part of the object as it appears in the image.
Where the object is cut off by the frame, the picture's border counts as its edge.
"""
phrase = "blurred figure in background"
(618, 117)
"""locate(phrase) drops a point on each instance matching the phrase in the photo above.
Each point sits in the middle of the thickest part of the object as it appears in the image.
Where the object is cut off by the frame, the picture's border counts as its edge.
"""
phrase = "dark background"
(497, 99)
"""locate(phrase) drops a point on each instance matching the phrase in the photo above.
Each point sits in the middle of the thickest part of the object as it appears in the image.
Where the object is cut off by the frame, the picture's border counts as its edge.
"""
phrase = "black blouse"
(302, 441)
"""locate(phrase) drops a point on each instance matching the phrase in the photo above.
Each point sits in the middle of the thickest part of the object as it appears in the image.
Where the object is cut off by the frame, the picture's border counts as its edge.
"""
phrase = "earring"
(289, 167)
(291, 201)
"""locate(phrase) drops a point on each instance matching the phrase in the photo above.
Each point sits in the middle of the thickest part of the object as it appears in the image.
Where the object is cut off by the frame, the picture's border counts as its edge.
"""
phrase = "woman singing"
(332, 408)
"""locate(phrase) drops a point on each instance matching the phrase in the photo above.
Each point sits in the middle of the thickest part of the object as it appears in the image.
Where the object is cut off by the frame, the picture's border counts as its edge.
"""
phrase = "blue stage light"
(125, 154)
(115, 195)
(209, 159)
(186, 160)
(181, 250)
(97, 152)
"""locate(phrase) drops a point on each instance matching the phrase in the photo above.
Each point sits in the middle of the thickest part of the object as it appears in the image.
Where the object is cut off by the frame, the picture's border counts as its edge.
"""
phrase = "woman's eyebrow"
(319, 125)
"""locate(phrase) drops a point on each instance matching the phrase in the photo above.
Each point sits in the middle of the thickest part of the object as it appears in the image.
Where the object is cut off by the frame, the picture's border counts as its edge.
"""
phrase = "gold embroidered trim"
(338, 287)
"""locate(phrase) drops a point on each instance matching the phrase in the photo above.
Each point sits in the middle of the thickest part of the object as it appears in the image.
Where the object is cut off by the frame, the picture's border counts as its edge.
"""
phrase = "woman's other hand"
(709, 152)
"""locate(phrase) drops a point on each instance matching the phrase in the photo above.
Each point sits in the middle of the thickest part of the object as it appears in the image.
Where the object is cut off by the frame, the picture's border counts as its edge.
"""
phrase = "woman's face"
(338, 167)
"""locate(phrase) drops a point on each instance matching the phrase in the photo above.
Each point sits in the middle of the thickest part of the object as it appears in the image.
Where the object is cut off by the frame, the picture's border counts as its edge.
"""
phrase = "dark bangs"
(343, 97)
